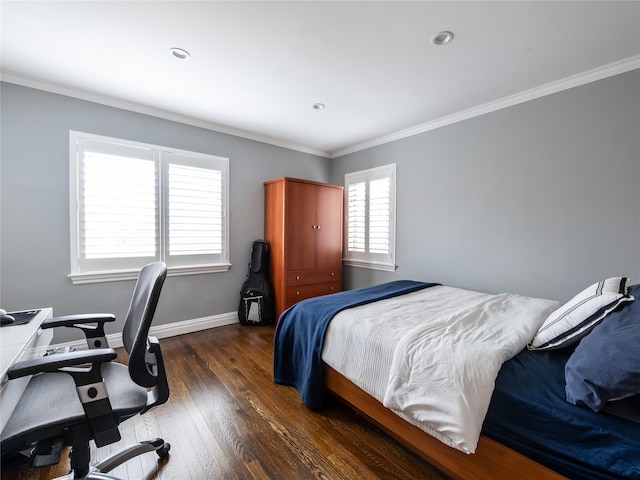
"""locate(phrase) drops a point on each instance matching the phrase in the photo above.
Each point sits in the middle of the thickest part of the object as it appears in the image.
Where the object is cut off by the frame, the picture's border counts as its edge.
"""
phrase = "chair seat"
(50, 403)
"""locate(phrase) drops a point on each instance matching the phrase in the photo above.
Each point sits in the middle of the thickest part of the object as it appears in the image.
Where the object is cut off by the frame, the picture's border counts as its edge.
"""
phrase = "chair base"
(100, 470)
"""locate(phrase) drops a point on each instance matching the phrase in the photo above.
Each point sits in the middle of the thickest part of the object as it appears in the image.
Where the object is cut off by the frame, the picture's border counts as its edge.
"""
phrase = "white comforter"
(432, 356)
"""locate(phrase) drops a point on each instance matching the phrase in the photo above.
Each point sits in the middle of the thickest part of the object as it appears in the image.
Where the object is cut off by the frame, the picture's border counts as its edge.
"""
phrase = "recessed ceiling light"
(442, 38)
(179, 53)
(319, 106)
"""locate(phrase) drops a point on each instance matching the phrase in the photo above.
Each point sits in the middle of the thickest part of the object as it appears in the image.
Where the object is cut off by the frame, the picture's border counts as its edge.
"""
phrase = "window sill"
(116, 276)
(387, 267)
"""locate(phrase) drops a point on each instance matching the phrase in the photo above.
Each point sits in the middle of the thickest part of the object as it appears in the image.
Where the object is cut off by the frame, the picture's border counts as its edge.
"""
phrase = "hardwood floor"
(227, 419)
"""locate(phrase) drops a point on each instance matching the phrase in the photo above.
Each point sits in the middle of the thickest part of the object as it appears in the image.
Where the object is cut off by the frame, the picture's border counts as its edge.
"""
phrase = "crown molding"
(583, 78)
(52, 87)
(599, 73)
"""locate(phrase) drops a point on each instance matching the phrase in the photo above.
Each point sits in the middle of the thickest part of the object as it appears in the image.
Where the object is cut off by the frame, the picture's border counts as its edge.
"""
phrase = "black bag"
(257, 306)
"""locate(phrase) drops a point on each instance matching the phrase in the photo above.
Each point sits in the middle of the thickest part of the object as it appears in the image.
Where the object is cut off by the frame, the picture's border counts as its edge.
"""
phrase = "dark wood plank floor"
(227, 419)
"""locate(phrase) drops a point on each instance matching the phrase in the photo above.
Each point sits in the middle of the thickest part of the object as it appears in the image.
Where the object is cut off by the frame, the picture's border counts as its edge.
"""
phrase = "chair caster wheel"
(163, 451)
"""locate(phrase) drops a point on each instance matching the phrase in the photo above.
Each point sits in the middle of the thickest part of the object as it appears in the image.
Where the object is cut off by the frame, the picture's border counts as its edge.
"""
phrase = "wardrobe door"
(300, 221)
(328, 227)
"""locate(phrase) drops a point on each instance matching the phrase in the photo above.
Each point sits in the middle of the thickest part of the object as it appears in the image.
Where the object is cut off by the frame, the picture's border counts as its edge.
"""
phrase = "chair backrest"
(136, 327)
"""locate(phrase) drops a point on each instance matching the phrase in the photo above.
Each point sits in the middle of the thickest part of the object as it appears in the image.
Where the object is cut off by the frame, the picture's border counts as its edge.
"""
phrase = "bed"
(447, 372)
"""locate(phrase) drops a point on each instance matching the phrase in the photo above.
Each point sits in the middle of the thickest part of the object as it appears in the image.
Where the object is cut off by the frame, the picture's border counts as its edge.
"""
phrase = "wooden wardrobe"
(303, 227)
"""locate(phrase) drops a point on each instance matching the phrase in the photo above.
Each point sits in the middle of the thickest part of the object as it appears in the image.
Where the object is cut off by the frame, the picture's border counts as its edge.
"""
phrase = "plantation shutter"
(370, 218)
(379, 215)
(196, 206)
(117, 206)
(135, 203)
(357, 216)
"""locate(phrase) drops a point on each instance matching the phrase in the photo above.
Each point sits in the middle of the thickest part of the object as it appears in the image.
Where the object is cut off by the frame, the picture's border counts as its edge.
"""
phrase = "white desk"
(20, 342)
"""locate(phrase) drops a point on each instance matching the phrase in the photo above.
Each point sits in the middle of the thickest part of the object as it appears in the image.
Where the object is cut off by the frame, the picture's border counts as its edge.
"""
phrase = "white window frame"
(368, 259)
(83, 271)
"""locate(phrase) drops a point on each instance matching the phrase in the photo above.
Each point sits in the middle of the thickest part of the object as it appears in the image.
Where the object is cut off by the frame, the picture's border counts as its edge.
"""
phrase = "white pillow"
(578, 316)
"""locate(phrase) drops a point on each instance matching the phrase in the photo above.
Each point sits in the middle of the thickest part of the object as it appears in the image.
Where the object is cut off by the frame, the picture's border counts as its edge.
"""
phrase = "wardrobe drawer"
(301, 292)
(316, 275)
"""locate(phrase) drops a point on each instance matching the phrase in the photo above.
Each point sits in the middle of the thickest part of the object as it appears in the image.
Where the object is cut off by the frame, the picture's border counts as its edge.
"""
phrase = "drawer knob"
(298, 293)
(333, 274)
(332, 288)
(297, 277)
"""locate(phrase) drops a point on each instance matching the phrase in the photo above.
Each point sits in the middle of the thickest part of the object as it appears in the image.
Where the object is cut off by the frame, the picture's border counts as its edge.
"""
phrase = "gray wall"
(542, 198)
(34, 188)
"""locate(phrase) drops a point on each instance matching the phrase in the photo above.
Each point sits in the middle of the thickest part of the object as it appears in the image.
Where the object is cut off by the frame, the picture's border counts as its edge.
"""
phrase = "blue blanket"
(299, 337)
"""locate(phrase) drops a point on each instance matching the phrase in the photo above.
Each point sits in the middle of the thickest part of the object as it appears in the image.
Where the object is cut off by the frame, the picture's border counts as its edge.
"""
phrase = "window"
(370, 218)
(133, 203)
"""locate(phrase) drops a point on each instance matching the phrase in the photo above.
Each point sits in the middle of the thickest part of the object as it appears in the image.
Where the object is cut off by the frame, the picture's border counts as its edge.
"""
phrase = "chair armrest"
(74, 320)
(91, 324)
(54, 363)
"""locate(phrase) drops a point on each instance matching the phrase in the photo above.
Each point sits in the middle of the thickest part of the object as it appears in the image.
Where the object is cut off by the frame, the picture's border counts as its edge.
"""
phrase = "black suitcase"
(257, 306)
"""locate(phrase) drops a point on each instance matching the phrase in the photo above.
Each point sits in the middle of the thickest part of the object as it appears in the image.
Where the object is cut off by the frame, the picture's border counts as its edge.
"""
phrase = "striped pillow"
(578, 316)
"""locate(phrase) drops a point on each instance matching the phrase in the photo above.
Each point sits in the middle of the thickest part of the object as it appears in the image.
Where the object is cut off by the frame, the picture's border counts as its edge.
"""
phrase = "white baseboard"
(168, 330)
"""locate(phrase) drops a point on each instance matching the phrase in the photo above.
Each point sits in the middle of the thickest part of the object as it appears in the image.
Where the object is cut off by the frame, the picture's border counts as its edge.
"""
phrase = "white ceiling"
(256, 68)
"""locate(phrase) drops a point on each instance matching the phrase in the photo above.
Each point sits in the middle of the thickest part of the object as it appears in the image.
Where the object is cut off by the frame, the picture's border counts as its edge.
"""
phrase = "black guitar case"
(257, 306)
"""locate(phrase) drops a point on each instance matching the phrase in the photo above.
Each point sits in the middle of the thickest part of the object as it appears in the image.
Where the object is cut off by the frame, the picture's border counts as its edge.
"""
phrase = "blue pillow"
(605, 365)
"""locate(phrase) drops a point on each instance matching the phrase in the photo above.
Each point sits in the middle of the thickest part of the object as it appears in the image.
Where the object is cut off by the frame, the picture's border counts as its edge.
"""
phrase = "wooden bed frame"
(492, 460)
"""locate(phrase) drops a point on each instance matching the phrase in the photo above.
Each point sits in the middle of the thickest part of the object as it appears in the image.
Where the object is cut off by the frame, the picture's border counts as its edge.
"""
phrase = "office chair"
(79, 396)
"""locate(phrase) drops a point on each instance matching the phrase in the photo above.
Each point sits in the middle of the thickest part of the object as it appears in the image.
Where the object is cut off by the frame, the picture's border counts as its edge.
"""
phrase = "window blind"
(195, 210)
(132, 203)
(118, 207)
(370, 217)
(379, 215)
(356, 214)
